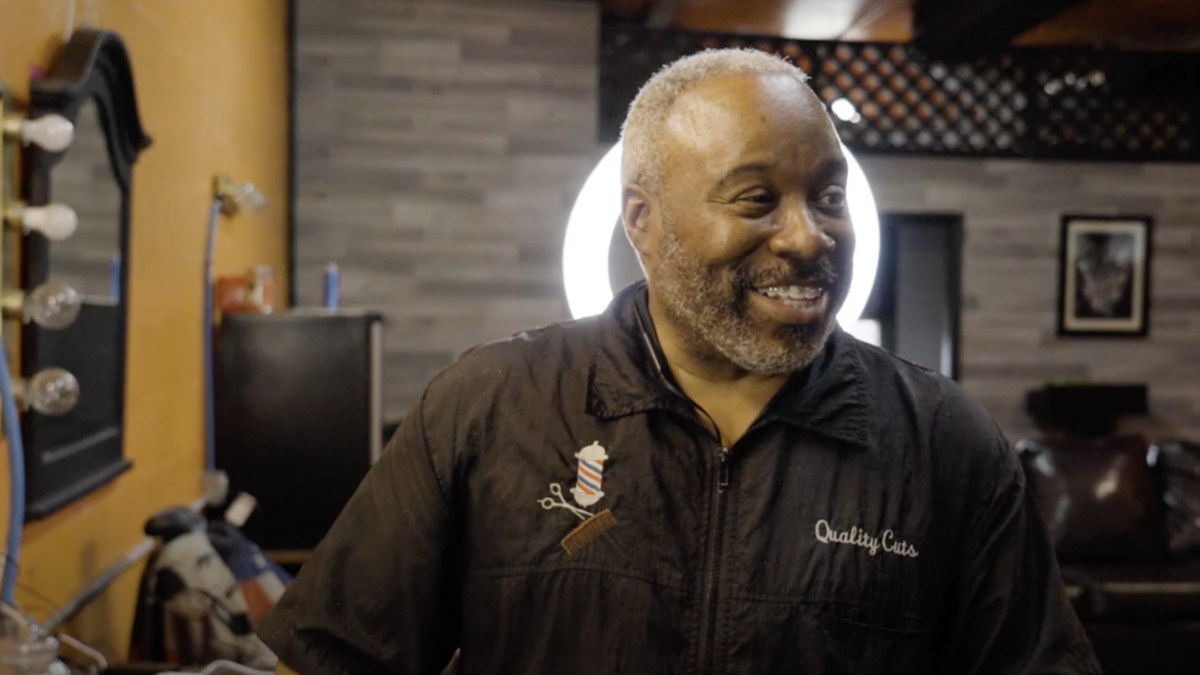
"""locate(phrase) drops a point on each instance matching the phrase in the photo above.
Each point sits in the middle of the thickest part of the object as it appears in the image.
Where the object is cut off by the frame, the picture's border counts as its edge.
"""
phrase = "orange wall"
(211, 81)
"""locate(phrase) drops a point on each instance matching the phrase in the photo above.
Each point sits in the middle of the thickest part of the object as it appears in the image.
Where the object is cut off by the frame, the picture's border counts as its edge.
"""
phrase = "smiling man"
(710, 477)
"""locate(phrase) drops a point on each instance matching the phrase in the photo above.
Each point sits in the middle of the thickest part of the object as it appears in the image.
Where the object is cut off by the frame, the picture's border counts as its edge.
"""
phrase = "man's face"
(752, 255)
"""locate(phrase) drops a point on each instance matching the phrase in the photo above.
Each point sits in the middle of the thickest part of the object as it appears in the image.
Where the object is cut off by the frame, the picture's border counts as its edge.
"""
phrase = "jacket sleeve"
(380, 593)
(1012, 615)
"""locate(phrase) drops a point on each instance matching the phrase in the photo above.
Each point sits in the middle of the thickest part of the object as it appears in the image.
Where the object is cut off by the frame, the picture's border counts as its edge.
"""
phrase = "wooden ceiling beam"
(973, 27)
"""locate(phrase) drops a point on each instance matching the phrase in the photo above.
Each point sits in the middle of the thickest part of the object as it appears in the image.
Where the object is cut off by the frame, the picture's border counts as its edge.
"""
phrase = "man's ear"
(640, 219)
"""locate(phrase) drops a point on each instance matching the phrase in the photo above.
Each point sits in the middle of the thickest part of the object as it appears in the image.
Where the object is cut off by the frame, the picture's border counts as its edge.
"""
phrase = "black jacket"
(873, 520)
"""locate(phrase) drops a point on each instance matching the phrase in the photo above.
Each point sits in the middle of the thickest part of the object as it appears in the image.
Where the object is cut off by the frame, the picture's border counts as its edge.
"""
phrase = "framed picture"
(1104, 276)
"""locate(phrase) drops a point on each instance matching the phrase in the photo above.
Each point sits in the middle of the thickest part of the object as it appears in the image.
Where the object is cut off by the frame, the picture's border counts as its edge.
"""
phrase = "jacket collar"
(629, 375)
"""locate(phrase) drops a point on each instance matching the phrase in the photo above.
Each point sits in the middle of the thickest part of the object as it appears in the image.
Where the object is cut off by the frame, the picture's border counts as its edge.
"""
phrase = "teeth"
(802, 293)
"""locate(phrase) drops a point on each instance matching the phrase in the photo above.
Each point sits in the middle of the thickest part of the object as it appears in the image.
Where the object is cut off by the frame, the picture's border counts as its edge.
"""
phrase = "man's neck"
(732, 396)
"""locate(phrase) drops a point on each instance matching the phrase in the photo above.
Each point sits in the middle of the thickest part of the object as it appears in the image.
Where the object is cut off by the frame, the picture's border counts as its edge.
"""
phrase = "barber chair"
(1124, 515)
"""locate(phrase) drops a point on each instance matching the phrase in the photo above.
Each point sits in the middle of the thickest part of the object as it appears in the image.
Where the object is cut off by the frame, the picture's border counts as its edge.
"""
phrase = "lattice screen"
(1090, 105)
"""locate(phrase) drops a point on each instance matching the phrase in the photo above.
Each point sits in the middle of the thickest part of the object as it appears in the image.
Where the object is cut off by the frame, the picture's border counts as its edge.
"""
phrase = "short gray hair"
(642, 133)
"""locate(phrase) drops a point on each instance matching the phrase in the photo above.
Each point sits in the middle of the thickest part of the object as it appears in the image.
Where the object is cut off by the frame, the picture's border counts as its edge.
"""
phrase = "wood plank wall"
(440, 145)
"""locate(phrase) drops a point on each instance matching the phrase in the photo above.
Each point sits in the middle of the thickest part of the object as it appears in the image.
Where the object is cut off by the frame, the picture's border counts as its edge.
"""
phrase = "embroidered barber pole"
(589, 476)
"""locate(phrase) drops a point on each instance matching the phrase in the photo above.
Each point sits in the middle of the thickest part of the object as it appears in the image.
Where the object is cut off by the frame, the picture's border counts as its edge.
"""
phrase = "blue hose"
(16, 479)
(210, 440)
(114, 278)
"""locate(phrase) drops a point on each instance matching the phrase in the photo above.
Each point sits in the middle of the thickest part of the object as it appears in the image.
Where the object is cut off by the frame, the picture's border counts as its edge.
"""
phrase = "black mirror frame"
(68, 456)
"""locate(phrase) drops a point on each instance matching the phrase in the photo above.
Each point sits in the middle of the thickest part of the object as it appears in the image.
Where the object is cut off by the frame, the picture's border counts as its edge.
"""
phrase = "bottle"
(332, 288)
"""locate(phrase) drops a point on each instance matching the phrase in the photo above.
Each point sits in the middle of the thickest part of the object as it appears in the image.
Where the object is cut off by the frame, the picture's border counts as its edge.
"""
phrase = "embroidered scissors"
(549, 503)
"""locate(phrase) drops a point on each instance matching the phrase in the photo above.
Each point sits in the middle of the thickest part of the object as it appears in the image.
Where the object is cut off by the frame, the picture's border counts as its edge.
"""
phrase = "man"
(709, 478)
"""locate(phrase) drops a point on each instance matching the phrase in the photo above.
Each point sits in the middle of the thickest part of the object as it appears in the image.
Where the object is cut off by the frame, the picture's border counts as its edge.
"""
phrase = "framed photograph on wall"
(1104, 276)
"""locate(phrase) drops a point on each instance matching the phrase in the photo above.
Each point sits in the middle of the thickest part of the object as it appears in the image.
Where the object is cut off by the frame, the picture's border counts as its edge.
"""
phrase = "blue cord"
(210, 440)
(16, 478)
(114, 278)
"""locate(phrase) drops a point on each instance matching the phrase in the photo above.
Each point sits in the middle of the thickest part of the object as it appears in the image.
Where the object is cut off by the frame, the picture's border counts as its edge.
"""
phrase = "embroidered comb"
(588, 531)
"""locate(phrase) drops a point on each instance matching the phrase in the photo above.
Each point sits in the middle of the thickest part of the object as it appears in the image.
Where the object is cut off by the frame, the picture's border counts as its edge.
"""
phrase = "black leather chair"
(1125, 518)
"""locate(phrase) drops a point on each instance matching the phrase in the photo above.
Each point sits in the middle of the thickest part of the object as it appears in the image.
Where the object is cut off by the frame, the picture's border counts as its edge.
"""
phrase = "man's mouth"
(798, 296)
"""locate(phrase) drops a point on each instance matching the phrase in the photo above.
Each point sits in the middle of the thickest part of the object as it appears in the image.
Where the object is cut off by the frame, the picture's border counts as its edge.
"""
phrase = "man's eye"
(832, 198)
(757, 198)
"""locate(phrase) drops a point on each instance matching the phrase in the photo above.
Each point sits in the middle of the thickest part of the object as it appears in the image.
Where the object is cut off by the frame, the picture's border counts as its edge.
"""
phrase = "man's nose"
(800, 236)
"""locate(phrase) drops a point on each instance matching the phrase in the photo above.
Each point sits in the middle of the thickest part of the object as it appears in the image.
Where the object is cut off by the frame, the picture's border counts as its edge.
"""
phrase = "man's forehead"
(727, 113)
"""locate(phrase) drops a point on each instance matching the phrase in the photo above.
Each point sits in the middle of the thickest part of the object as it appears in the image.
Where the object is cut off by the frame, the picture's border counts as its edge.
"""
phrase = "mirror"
(91, 85)
(89, 261)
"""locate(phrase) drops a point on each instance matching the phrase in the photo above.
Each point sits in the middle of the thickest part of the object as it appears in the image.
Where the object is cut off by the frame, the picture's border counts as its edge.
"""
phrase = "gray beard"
(708, 308)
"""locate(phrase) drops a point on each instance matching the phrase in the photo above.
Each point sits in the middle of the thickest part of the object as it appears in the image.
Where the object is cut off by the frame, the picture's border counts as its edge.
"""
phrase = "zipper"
(708, 610)
(716, 528)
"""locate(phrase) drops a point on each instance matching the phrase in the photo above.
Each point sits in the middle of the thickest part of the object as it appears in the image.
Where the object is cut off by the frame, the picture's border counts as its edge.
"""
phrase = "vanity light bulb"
(53, 305)
(52, 391)
(51, 132)
(250, 198)
(54, 221)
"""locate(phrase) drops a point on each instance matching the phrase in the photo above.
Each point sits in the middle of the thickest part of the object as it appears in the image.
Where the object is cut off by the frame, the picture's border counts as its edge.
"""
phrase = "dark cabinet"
(298, 416)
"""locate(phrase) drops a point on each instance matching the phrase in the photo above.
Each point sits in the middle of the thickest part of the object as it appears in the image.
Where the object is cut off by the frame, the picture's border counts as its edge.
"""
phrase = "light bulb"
(251, 198)
(51, 132)
(54, 221)
(53, 305)
(52, 391)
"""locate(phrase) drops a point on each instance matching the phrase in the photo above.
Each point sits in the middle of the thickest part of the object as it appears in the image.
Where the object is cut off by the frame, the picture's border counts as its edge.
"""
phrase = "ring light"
(598, 209)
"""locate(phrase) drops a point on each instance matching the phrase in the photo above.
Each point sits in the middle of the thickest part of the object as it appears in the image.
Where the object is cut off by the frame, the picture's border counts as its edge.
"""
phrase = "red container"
(253, 293)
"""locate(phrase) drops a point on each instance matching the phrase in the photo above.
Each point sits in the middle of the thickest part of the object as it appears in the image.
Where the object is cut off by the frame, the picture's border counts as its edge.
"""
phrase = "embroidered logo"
(887, 542)
(590, 474)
